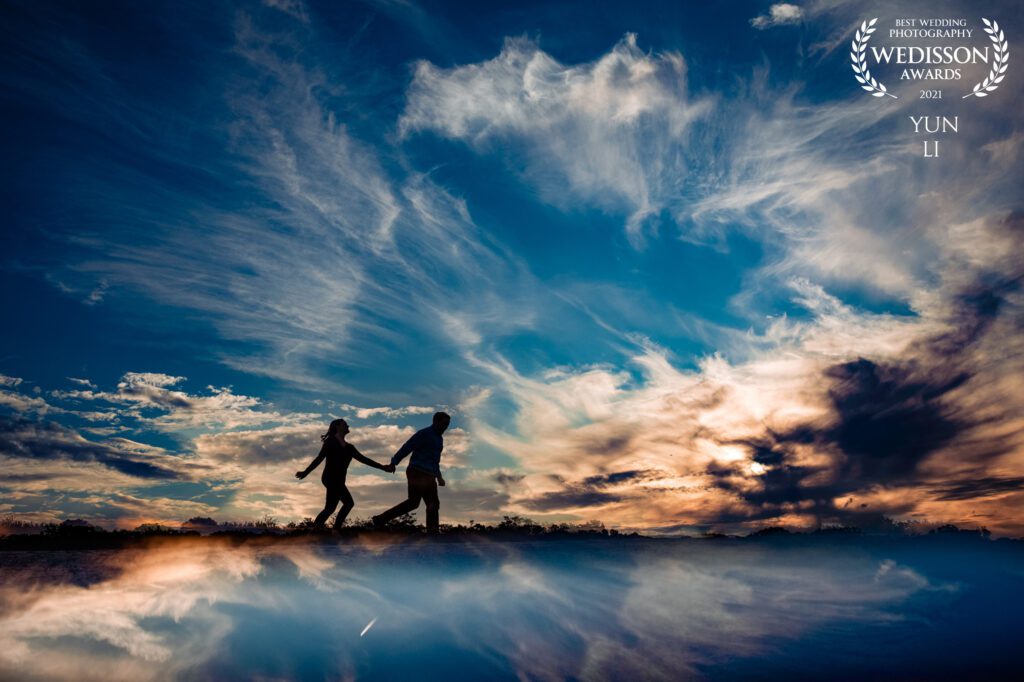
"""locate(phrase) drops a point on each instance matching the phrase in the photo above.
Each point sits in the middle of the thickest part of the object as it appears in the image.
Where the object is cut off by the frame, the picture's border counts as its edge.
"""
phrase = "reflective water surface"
(575, 609)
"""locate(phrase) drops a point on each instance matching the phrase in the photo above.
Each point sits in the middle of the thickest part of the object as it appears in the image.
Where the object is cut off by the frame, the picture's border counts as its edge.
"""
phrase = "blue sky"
(633, 247)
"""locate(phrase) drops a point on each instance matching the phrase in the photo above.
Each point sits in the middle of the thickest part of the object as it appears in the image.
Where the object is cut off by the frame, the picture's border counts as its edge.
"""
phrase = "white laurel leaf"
(859, 62)
(1001, 49)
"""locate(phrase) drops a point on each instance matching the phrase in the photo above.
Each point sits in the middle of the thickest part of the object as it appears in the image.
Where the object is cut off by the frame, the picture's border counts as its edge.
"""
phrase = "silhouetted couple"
(423, 472)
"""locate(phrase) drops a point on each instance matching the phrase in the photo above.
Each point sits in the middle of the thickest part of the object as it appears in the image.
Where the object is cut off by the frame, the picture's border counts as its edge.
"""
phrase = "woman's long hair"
(332, 429)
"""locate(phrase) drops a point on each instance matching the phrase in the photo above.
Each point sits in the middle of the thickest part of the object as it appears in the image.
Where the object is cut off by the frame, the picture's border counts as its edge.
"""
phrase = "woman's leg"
(346, 505)
(329, 505)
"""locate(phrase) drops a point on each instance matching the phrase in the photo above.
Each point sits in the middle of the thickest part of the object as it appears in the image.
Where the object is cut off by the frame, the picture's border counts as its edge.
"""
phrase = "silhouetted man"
(423, 473)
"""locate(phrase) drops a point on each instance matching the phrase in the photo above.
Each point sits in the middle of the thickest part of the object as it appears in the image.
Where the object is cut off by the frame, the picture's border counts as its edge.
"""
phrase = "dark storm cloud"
(592, 491)
(886, 418)
(782, 482)
(21, 438)
(974, 310)
(505, 478)
(606, 480)
(27, 478)
(889, 417)
(571, 498)
(980, 487)
(607, 443)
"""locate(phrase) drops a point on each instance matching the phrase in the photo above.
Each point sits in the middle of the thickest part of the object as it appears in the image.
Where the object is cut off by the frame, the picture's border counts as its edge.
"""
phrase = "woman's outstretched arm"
(367, 461)
(314, 464)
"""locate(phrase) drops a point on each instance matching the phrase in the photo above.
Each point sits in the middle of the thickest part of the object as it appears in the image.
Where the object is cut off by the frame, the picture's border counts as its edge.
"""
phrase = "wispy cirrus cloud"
(335, 244)
(616, 130)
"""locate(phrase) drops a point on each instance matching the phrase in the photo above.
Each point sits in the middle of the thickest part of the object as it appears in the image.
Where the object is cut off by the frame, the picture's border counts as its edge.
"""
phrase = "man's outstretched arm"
(404, 451)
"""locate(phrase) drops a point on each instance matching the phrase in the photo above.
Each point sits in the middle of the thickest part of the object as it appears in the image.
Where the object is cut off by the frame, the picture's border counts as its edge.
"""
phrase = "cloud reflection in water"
(549, 610)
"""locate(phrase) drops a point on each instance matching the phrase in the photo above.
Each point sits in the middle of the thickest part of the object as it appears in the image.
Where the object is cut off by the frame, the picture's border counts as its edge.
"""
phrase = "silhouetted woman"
(339, 453)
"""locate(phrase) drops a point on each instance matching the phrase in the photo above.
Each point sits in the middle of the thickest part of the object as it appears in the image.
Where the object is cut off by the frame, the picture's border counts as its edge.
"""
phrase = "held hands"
(301, 474)
(390, 468)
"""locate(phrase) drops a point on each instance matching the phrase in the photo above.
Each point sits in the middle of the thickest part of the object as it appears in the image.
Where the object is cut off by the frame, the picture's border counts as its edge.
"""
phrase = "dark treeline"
(79, 534)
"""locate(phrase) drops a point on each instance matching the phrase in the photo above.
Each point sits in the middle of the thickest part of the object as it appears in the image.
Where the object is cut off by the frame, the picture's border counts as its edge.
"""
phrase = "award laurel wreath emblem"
(1000, 60)
(860, 64)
